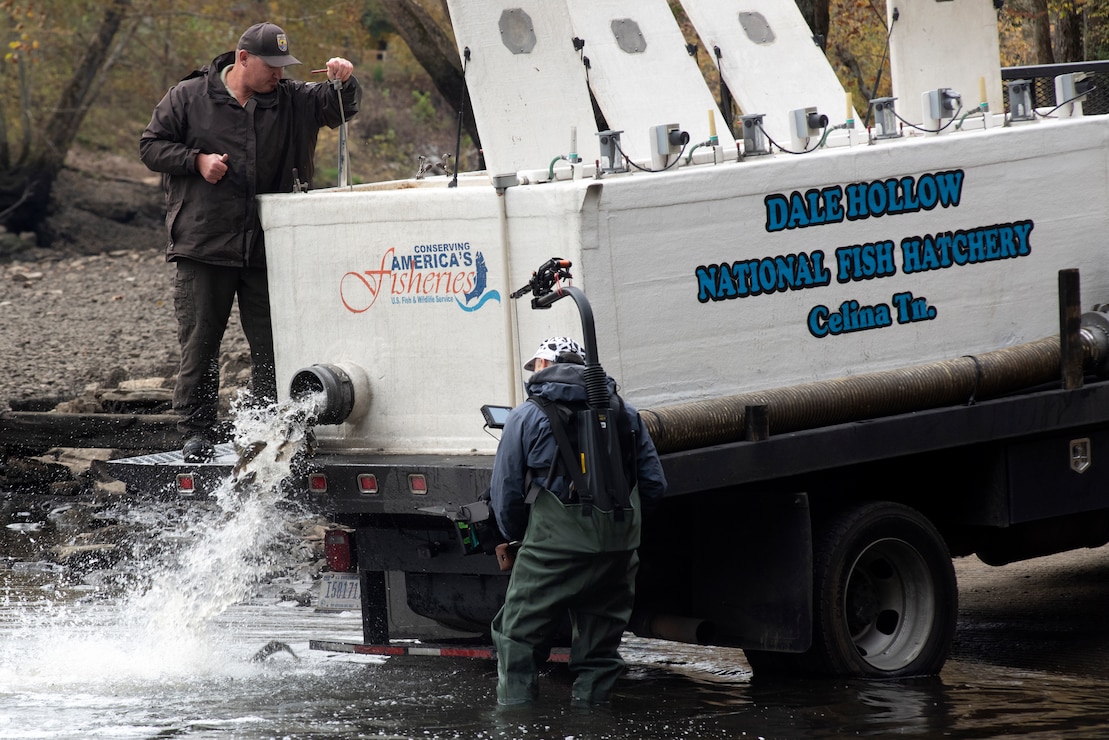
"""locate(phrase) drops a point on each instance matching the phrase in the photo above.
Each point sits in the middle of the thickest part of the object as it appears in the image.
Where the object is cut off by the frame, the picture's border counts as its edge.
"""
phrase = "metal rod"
(461, 112)
(344, 159)
(1071, 356)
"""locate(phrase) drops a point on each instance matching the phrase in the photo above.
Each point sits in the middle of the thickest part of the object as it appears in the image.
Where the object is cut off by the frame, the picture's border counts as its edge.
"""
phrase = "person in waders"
(577, 548)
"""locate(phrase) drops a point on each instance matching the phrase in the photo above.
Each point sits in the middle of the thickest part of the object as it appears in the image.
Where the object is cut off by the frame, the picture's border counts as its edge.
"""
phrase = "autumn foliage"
(88, 72)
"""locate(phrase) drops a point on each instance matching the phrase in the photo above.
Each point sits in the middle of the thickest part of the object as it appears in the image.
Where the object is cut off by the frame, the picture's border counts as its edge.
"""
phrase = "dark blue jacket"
(527, 444)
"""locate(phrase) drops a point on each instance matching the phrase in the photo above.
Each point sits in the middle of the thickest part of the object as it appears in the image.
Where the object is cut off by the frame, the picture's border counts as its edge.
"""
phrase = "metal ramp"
(641, 74)
(527, 83)
(769, 61)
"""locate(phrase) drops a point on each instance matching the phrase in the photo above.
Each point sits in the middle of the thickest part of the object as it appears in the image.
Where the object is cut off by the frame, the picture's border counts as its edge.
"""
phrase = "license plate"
(340, 592)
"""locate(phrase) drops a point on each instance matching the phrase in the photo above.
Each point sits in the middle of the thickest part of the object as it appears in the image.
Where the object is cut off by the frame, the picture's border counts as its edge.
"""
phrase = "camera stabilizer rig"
(597, 429)
(598, 435)
(543, 282)
(546, 289)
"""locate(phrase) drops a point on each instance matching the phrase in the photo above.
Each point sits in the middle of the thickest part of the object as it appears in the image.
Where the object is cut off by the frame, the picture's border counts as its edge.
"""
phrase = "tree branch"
(850, 61)
(74, 102)
(436, 53)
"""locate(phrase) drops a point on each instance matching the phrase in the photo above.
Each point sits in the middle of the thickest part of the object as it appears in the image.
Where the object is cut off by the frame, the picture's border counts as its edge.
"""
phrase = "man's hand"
(339, 69)
(212, 167)
(506, 554)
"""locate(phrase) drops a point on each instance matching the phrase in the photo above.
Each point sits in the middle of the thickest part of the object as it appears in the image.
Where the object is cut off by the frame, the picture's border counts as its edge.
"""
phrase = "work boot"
(197, 449)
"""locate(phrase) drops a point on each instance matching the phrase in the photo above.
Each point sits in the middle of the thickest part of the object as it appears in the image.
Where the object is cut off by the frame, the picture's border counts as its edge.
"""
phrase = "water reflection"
(168, 654)
(93, 680)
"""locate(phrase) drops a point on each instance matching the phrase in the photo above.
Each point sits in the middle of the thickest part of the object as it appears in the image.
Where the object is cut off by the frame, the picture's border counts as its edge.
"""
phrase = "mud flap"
(375, 607)
(755, 579)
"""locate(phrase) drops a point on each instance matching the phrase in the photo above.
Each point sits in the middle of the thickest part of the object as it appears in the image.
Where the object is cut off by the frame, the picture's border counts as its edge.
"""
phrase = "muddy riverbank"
(93, 309)
(87, 325)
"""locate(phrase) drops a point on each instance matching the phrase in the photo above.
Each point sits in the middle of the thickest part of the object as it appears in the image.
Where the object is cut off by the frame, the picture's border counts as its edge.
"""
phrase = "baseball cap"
(550, 350)
(269, 42)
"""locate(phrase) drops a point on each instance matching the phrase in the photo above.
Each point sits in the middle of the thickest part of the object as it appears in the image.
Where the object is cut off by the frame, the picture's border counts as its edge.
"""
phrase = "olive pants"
(202, 298)
(567, 562)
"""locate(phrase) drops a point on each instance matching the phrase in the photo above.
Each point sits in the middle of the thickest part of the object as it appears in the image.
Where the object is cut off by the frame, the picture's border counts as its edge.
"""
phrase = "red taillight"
(417, 483)
(338, 547)
(317, 483)
(186, 483)
(367, 483)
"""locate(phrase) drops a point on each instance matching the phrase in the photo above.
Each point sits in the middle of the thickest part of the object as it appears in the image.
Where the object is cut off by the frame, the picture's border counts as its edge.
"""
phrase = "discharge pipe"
(341, 389)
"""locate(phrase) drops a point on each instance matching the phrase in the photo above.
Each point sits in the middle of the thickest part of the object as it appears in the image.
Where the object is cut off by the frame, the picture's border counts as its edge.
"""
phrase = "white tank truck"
(861, 350)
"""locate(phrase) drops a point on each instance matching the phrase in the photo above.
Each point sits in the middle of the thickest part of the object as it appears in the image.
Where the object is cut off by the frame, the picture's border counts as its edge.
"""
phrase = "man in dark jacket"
(223, 135)
(568, 561)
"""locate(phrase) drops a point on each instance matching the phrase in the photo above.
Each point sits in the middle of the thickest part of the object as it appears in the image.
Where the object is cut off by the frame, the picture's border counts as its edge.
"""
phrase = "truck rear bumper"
(345, 483)
(481, 652)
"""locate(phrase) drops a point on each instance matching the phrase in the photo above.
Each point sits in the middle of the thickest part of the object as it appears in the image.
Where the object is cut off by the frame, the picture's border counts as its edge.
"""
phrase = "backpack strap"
(628, 445)
(532, 485)
(566, 453)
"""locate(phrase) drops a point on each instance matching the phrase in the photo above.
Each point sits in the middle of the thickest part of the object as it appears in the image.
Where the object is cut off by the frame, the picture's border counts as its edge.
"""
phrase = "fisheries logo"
(427, 274)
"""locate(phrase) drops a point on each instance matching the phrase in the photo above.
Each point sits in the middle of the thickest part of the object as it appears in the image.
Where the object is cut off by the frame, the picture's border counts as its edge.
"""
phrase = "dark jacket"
(264, 141)
(527, 444)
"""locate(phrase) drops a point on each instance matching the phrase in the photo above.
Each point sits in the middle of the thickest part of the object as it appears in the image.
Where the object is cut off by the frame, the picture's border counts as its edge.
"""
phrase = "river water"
(168, 651)
(95, 674)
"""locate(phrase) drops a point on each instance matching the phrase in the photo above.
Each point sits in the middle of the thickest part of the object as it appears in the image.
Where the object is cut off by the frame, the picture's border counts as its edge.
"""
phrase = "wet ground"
(164, 645)
(1031, 661)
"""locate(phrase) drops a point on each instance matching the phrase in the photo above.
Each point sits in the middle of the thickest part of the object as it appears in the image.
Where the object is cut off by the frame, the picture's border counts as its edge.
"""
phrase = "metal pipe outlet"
(334, 386)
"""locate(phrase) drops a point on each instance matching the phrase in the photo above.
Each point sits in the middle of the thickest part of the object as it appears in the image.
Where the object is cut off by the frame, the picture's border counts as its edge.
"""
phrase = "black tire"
(885, 601)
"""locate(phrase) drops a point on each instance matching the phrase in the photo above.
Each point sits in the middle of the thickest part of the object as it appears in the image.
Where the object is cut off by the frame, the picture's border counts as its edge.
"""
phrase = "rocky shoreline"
(87, 326)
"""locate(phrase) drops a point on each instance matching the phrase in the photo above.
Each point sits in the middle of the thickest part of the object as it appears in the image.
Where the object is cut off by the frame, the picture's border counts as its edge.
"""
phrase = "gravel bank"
(73, 322)
(96, 307)
(87, 305)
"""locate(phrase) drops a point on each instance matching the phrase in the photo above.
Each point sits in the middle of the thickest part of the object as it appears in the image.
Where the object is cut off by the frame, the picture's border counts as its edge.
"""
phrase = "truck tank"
(845, 338)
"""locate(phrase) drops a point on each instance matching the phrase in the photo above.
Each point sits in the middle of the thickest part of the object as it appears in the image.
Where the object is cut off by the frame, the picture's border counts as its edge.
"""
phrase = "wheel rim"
(889, 604)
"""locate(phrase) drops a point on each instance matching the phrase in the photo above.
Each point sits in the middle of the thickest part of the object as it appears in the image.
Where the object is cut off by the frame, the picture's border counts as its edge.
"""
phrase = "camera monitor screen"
(495, 415)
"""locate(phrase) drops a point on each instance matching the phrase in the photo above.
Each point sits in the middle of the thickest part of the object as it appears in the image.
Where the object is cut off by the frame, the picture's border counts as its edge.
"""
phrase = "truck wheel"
(885, 598)
(885, 601)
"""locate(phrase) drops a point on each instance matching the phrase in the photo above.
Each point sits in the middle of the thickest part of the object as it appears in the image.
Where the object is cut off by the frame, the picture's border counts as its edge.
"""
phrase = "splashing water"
(238, 547)
(196, 562)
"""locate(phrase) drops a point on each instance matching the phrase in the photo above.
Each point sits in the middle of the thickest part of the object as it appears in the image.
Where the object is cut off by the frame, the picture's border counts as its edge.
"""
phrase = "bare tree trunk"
(1041, 33)
(820, 18)
(1068, 33)
(5, 148)
(436, 52)
(852, 63)
(74, 102)
(25, 113)
(815, 13)
(25, 190)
